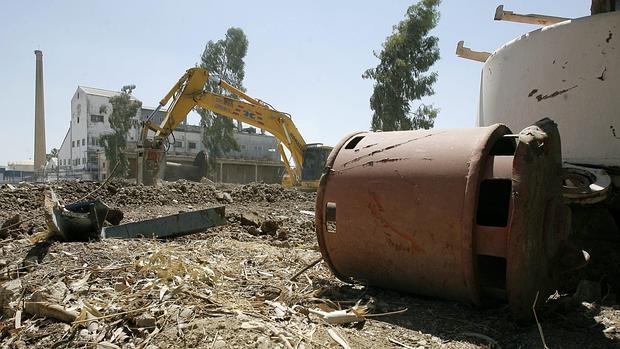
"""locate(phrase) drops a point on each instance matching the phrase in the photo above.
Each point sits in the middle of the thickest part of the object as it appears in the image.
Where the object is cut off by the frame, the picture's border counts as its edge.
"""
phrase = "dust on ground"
(231, 287)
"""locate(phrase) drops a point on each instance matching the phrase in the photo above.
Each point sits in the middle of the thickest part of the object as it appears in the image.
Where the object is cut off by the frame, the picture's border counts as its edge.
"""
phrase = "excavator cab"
(314, 158)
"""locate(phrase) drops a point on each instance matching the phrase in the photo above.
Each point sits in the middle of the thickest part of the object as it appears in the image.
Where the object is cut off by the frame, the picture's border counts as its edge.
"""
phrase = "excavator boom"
(188, 93)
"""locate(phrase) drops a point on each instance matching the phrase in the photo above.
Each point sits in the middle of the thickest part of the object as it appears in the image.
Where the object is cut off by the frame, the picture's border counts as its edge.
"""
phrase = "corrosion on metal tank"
(463, 214)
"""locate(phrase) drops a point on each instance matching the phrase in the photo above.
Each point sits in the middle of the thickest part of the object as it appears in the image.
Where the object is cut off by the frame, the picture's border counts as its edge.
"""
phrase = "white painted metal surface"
(569, 72)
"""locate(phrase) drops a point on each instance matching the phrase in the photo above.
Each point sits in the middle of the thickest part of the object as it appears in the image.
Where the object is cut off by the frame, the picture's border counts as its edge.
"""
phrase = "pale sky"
(304, 57)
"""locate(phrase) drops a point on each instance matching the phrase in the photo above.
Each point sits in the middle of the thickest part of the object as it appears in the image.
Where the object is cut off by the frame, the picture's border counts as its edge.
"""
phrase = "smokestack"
(39, 117)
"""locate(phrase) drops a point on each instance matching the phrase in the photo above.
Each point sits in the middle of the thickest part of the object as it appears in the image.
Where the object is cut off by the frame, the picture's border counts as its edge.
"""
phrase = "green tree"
(402, 73)
(124, 108)
(52, 154)
(223, 59)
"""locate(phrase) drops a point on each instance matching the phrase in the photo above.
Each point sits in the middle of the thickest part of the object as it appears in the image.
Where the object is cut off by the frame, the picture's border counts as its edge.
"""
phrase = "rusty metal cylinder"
(432, 212)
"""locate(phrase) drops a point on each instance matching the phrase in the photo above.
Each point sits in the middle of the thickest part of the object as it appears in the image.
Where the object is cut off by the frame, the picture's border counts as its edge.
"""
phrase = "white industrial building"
(81, 155)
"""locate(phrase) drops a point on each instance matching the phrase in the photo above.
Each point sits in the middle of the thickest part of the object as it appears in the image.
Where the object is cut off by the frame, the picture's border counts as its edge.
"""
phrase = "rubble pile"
(11, 227)
(257, 282)
(257, 192)
(26, 197)
(280, 228)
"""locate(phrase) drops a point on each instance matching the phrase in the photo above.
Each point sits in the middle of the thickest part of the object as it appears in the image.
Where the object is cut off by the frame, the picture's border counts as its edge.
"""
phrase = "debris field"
(256, 282)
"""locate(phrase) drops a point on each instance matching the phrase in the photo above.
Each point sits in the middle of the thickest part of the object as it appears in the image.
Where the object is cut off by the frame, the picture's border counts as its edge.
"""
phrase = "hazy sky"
(304, 57)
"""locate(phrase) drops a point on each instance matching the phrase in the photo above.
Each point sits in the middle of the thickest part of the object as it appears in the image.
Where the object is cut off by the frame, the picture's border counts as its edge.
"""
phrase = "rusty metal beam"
(170, 226)
(501, 15)
(467, 53)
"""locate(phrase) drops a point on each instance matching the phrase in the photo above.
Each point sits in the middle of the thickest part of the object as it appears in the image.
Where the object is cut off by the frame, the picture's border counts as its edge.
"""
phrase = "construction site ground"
(231, 287)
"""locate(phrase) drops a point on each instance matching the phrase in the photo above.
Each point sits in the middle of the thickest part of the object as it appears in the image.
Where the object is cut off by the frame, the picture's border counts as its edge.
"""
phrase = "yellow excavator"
(188, 93)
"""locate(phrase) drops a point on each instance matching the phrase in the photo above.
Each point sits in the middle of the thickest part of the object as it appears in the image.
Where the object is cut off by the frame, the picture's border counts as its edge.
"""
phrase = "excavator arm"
(189, 93)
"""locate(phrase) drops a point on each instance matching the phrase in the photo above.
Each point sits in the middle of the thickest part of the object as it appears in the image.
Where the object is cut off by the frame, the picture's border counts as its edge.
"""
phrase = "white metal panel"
(569, 72)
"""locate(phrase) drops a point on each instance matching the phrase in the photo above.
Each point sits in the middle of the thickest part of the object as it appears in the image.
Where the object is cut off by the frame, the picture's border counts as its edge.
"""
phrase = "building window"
(78, 120)
(243, 146)
(84, 161)
(77, 161)
(96, 118)
(83, 142)
(72, 144)
(178, 144)
(191, 145)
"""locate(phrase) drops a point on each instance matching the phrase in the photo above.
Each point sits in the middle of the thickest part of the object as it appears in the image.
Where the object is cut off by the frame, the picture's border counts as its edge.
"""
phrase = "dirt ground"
(230, 287)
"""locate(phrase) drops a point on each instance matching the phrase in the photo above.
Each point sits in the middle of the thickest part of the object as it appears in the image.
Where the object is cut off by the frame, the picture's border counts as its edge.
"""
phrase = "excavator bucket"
(151, 160)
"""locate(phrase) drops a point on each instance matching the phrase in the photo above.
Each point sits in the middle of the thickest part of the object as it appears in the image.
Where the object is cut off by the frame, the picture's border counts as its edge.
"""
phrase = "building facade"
(17, 171)
(79, 153)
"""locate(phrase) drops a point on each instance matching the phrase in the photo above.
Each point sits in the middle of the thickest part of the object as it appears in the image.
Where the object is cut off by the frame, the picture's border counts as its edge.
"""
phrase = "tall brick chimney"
(39, 117)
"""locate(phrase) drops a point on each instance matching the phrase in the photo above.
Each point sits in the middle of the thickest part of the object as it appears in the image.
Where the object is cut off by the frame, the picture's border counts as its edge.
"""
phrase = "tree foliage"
(402, 73)
(52, 154)
(223, 59)
(124, 108)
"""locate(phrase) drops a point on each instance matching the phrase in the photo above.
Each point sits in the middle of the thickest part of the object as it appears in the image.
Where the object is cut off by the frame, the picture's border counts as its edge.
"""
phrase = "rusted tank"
(461, 214)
